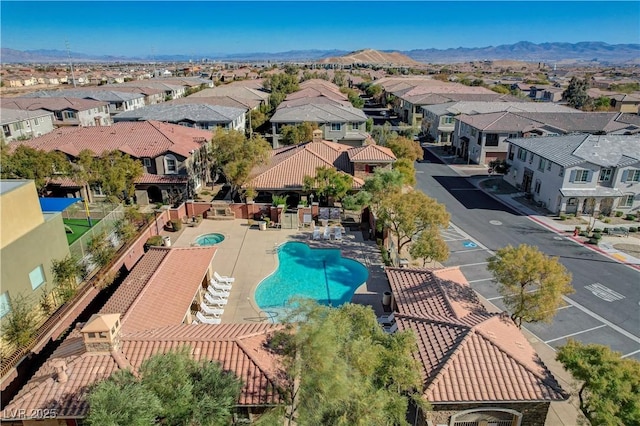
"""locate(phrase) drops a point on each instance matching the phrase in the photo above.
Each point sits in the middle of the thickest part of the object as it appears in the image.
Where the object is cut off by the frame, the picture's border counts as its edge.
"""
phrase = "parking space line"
(564, 307)
(602, 320)
(500, 297)
(477, 281)
(466, 251)
(630, 353)
(473, 264)
(576, 333)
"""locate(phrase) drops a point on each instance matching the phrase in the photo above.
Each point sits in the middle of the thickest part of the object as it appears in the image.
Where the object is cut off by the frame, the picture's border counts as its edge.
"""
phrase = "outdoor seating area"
(328, 232)
(216, 297)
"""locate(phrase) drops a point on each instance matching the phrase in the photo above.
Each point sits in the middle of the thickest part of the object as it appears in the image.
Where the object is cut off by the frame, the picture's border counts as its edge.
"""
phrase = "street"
(605, 306)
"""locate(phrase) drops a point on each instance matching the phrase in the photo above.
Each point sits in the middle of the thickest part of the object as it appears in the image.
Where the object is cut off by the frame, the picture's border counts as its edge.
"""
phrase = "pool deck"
(249, 255)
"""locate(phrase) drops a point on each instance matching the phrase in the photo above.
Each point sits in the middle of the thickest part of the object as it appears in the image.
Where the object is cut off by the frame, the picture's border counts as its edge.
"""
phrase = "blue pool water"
(209, 239)
(320, 274)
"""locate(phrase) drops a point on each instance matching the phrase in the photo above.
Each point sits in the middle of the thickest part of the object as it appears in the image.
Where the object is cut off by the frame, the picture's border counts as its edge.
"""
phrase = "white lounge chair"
(212, 291)
(223, 279)
(337, 234)
(211, 311)
(215, 300)
(327, 233)
(387, 318)
(220, 286)
(316, 233)
(207, 320)
(390, 328)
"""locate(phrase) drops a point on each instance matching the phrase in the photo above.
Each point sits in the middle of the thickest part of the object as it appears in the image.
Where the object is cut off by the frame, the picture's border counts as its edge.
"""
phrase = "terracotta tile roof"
(151, 298)
(288, 166)
(51, 104)
(371, 153)
(138, 139)
(160, 179)
(240, 348)
(467, 353)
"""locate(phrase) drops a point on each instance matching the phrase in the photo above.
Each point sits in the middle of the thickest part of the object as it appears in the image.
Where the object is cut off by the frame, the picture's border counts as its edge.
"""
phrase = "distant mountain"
(589, 51)
(370, 56)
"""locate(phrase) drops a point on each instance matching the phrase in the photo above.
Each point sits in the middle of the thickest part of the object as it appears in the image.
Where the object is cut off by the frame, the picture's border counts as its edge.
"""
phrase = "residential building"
(439, 120)
(151, 96)
(137, 323)
(118, 101)
(199, 116)
(238, 91)
(29, 243)
(20, 124)
(481, 138)
(66, 111)
(578, 174)
(285, 171)
(174, 157)
(477, 367)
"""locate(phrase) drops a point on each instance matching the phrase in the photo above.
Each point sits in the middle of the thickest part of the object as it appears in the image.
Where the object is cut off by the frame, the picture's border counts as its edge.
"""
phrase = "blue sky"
(205, 28)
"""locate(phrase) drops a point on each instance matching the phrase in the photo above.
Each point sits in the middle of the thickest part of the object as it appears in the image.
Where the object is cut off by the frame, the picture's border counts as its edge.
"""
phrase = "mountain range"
(524, 51)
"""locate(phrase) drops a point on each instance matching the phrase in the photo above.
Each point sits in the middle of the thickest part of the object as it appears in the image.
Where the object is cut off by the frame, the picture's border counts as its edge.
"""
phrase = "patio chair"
(387, 318)
(207, 320)
(327, 233)
(220, 286)
(337, 234)
(212, 291)
(211, 311)
(215, 300)
(223, 279)
(391, 328)
(316, 233)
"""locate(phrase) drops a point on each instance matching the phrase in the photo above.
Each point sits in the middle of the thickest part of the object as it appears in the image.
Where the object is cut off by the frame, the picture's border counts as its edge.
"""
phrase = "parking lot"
(571, 320)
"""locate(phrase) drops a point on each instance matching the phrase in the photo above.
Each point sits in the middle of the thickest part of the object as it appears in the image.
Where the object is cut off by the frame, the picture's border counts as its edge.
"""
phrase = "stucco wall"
(19, 212)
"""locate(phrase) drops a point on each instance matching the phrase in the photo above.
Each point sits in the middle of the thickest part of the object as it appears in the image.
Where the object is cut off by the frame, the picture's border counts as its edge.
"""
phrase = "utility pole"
(73, 77)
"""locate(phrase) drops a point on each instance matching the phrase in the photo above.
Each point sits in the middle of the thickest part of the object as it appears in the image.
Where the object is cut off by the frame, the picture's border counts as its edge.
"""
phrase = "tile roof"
(225, 101)
(10, 115)
(175, 113)
(371, 153)
(98, 95)
(161, 179)
(320, 113)
(138, 139)
(234, 91)
(51, 104)
(288, 166)
(468, 354)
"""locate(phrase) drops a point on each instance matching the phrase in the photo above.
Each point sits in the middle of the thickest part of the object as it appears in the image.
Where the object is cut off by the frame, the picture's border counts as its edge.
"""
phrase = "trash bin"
(166, 241)
(262, 225)
(386, 298)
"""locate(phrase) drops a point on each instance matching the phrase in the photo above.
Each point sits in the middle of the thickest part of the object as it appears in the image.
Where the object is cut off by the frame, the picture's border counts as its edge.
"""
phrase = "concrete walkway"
(249, 255)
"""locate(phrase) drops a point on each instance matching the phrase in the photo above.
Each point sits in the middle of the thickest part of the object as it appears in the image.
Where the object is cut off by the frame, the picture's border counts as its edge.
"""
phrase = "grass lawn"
(79, 228)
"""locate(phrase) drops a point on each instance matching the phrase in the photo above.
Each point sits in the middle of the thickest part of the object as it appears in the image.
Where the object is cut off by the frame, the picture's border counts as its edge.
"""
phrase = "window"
(69, 114)
(36, 277)
(605, 175)
(492, 139)
(5, 306)
(92, 335)
(572, 201)
(355, 126)
(6, 130)
(631, 176)
(548, 165)
(18, 126)
(35, 121)
(171, 166)
(581, 176)
(474, 132)
(336, 127)
(530, 157)
(370, 168)
(542, 164)
(147, 162)
(522, 154)
(537, 186)
(626, 201)
(448, 119)
(561, 172)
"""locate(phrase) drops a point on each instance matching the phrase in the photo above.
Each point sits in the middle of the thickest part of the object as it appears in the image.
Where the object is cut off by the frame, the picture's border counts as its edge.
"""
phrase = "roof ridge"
(449, 358)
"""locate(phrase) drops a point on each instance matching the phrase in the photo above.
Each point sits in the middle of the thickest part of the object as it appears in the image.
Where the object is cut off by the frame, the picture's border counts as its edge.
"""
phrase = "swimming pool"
(319, 274)
(209, 239)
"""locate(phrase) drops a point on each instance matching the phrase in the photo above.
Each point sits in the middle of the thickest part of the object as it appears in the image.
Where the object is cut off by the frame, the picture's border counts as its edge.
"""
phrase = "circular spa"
(209, 239)
(319, 274)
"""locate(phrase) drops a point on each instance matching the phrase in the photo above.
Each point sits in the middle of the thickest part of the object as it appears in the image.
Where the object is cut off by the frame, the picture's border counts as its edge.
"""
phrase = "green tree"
(501, 88)
(407, 169)
(234, 155)
(121, 400)
(576, 93)
(258, 117)
(25, 162)
(101, 249)
(374, 90)
(328, 183)
(410, 214)
(609, 385)
(340, 78)
(345, 369)
(296, 134)
(19, 326)
(66, 273)
(405, 148)
(429, 247)
(603, 103)
(118, 173)
(532, 284)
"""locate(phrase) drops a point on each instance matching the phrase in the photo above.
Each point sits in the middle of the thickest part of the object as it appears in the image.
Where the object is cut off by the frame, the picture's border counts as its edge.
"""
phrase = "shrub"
(630, 217)
(619, 213)
(597, 230)
(156, 240)
(563, 217)
(583, 234)
(19, 326)
(607, 220)
(606, 230)
(633, 229)
(594, 241)
(176, 225)
(278, 200)
(600, 216)
(596, 236)
(578, 228)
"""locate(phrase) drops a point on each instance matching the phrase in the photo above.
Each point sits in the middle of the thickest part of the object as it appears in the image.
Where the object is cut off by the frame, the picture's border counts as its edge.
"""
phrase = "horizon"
(115, 28)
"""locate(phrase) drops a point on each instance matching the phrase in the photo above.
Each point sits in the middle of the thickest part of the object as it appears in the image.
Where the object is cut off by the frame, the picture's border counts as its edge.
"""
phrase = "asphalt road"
(605, 307)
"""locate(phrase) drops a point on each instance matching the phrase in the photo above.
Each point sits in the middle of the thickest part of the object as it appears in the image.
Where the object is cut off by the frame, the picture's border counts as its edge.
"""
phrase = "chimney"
(60, 365)
(317, 135)
(102, 333)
